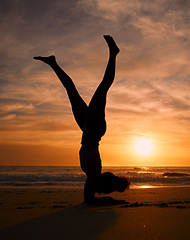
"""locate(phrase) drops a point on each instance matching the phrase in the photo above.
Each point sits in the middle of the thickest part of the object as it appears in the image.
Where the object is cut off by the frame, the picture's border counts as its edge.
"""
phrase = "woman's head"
(121, 184)
(108, 183)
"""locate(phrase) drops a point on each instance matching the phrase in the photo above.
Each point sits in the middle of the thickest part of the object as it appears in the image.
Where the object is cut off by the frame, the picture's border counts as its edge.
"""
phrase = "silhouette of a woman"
(91, 120)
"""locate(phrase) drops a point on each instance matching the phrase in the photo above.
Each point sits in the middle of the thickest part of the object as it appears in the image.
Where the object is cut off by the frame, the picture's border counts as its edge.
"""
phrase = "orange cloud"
(150, 95)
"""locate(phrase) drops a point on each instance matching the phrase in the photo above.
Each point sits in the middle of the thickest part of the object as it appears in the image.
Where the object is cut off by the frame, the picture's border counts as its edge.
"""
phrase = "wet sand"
(150, 213)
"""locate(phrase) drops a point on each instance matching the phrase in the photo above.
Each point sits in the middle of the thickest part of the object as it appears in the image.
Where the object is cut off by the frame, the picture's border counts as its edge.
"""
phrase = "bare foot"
(49, 60)
(111, 44)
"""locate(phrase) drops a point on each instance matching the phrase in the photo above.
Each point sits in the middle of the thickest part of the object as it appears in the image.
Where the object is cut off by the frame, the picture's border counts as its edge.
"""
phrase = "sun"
(144, 146)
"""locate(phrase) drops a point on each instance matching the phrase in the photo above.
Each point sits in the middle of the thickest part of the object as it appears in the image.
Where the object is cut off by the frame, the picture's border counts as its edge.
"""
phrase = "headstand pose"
(91, 120)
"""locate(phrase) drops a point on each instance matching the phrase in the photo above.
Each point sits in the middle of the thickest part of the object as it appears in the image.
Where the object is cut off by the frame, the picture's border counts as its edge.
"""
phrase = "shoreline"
(145, 186)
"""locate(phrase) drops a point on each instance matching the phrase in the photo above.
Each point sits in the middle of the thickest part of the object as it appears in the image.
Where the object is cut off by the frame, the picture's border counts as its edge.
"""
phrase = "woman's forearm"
(89, 190)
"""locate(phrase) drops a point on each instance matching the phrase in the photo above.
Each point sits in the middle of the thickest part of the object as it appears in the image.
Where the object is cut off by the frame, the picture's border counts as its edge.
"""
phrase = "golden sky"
(150, 96)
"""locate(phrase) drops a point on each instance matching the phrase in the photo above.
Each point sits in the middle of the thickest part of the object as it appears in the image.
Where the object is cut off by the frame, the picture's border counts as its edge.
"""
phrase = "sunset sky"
(150, 97)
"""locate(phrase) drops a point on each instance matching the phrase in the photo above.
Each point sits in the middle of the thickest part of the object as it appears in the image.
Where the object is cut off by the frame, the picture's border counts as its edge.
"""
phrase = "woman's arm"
(89, 194)
(89, 189)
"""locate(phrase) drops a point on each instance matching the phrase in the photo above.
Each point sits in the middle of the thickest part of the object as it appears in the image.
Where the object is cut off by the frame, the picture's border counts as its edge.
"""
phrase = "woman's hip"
(90, 160)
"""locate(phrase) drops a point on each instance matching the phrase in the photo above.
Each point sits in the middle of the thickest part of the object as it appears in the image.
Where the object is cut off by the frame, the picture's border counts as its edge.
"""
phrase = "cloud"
(154, 35)
(7, 117)
(112, 10)
(16, 107)
(151, 90)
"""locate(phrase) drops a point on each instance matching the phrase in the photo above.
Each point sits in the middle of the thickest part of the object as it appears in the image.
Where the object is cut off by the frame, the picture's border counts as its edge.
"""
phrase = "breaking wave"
(74, 177)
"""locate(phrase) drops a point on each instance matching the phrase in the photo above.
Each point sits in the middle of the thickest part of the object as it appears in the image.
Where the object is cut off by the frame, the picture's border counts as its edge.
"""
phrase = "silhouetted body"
(91, 120)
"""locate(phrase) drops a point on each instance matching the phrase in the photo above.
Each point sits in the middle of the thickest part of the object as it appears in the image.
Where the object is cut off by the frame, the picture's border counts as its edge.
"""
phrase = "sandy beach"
(149, 213)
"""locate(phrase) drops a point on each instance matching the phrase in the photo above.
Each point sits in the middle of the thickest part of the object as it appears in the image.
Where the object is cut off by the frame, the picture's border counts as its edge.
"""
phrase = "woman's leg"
(98, 101)
(79, 107)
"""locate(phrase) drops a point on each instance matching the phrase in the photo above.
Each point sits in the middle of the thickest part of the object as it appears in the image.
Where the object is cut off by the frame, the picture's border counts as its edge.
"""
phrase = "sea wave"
(175, 174)
(41, 178)
(73, 176)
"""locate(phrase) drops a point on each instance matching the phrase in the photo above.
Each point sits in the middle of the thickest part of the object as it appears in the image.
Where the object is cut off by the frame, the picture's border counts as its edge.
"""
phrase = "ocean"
(73, 177)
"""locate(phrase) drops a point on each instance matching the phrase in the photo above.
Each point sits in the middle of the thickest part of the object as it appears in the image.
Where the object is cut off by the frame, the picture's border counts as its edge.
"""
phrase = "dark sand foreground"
(154, 213)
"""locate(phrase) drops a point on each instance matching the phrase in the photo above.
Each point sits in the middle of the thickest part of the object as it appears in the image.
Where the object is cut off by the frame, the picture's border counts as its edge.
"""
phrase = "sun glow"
(144, 146)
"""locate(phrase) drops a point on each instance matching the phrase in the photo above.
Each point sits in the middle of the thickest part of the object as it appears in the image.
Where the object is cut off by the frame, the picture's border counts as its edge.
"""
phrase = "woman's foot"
(49, 60)
(111, 44)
